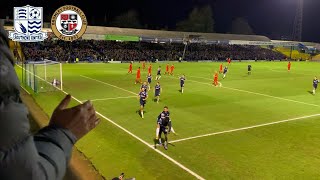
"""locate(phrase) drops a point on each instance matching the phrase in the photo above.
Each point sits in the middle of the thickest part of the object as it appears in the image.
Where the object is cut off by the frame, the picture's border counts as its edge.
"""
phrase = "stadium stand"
(92, 50)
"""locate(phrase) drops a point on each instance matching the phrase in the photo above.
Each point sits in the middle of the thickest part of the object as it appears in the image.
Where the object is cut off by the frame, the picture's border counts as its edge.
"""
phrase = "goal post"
(43, 76)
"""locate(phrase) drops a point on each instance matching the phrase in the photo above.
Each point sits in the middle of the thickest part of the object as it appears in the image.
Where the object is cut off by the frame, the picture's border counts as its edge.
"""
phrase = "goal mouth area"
(43, 76)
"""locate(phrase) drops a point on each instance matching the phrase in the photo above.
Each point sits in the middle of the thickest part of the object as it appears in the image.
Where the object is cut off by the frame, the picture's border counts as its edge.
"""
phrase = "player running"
(138, 77)
(220, 68)
(130, 68)
(167, 69)
(171, 70)
(315, 85)
(158, 73)
(157, 92)
(182, 80)
(225, 71)
(289, 66)
(149, 69)
(215, 79)
(163, 126)
(249, 69)
(143, 96)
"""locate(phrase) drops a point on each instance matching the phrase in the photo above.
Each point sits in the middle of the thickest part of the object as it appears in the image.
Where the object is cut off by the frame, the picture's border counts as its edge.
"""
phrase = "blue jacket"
(22, 155)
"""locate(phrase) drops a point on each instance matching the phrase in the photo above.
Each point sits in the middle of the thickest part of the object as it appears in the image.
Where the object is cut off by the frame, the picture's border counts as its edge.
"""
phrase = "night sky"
(272, 18)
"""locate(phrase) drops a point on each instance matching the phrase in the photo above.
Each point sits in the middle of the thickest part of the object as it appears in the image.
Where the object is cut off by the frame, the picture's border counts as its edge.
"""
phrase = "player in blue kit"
(157, 91)
(225, 71)
(145, 86)
(163, 126)
(249, 69)
(143, 96)
(158, 73)
(182, 79)
(167, 114)
(149, 78)
(315, 85)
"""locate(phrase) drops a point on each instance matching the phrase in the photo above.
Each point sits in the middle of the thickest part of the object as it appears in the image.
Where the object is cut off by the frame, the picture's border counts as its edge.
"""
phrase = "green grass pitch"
(286, 150)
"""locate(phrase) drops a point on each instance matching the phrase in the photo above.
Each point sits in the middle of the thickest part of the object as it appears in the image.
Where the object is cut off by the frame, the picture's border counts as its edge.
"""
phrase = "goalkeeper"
(163, 126)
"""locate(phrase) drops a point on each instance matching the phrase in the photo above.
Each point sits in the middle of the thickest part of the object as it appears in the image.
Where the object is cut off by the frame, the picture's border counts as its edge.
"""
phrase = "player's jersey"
(144, 86)
(130, 66)
(225, 70)
(163, 122)
(143, 95)
(221, 67)
(149, 77)
(182, 79)
(166, 114)
(157, 88)
(138, 73)
(315, 83)
(249, 67)
(216, 76)
(167, 67)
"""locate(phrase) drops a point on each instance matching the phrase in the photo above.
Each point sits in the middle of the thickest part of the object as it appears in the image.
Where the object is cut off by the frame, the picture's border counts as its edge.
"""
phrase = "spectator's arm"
(54, 146)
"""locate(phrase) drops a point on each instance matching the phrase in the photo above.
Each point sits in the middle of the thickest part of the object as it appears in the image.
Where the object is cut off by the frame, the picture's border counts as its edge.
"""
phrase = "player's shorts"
(159, 73)
(149, 81)
(315, 87)
(142, 102)
(157, 93)
(181, 84)
(249, 69)
(163, 130)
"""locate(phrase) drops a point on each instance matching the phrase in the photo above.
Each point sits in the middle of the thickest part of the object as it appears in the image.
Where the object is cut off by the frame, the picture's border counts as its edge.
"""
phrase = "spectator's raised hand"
(79, 119)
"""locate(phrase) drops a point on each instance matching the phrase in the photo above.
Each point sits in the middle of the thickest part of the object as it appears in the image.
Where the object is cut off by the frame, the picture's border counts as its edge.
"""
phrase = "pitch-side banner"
(262, 43)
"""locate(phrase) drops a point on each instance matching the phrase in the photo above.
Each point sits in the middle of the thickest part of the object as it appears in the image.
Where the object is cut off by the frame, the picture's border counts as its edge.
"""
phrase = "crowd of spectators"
(91, 50)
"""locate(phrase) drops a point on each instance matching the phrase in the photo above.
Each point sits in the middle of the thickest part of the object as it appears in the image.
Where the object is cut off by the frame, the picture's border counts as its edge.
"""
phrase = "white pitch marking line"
(260, 94)
(109, 84)
(245, 128)
(25, 89)
(103, 99)
(144, 142)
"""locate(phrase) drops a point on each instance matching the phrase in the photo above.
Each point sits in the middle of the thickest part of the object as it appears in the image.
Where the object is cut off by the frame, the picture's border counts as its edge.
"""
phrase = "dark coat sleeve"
(22, 155)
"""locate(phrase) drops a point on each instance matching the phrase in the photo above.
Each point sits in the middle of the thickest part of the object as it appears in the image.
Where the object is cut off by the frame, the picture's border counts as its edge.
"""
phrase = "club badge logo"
(68, 23)
(27, 24)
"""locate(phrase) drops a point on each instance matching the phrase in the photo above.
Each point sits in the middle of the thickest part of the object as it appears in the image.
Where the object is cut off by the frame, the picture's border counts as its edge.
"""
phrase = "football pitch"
(260, 126)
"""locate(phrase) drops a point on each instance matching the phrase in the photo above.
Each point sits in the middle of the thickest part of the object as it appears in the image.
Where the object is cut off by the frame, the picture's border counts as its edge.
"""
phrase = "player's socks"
(157, 133)
(160, 141)
(314, 91)
(173, 130)
(182, 90)
(142, 114)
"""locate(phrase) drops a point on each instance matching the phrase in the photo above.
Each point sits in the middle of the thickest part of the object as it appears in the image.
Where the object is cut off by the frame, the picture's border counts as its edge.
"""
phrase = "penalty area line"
(108, 84)
(105, 99)
(245, 128)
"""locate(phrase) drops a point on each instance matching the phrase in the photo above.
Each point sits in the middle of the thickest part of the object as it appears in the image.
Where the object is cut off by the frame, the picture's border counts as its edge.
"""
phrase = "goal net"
(43, 76)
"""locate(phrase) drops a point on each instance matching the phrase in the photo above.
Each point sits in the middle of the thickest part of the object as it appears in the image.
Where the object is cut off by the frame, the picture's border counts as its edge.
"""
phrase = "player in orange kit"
(171, 70)
(289, 66)
(149, 69)
(130, 68)
(220, 69)
(138, 77)
(215, 79)
(167, 69)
